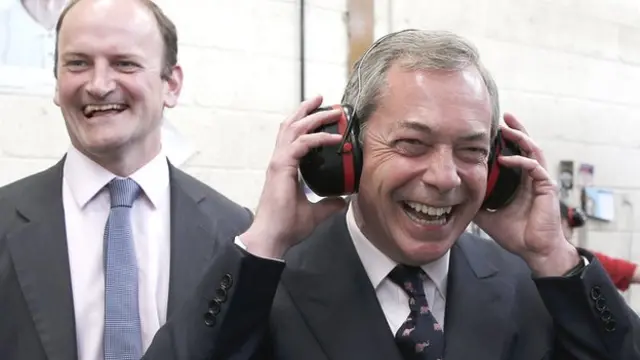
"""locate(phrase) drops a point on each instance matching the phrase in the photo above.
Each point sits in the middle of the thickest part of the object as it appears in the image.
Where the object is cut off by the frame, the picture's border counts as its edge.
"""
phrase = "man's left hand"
(530, 226)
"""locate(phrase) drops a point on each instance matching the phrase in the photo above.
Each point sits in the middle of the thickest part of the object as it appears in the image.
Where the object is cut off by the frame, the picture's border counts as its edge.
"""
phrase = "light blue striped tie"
(122, 334)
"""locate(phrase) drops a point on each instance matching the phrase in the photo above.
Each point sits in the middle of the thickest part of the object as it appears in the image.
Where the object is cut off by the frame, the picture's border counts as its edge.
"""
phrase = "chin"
(103, 145)
(415, 252)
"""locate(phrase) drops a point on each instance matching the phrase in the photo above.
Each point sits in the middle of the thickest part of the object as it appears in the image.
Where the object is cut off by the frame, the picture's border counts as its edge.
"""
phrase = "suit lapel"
(192, 241)
(478, 304)
(335, 296)
(38, 250)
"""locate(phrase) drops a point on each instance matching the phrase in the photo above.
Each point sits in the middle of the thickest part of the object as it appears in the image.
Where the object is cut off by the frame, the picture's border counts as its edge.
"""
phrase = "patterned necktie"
(122, 334)
(420, 337)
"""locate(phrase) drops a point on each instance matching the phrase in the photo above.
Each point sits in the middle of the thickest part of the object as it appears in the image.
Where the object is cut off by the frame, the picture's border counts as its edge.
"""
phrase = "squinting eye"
(410, 141)
(482, 151)
(411, 147)
(474, 154)
(126, 66)
(75, 63)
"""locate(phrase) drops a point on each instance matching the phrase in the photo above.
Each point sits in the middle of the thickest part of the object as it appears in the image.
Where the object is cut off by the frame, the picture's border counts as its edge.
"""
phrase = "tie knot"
(123, 192)
(409, 278)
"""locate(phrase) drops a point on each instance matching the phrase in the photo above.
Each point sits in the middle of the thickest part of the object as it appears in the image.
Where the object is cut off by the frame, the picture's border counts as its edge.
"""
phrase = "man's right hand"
(284, 215)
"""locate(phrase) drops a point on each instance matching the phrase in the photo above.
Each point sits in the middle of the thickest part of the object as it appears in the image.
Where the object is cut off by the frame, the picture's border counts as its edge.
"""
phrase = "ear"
(56, 96)
(173, 87)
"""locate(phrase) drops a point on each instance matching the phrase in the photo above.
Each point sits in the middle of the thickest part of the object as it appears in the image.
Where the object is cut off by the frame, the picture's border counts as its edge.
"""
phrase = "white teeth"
(90, 109)
(429, 210)
(439, 221)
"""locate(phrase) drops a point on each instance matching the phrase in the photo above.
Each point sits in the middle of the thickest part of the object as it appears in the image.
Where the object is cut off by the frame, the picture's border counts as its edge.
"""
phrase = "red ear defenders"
(575, 217)
(335, 170)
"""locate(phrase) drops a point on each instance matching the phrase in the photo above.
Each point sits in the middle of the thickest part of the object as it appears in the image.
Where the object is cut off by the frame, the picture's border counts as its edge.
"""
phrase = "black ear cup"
(502, 182)
(335, 170)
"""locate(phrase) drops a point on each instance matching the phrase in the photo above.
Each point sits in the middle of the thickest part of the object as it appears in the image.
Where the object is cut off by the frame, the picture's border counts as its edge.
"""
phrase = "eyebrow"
(413, 125)
(423, 128)
(83, 55)
(72, 54)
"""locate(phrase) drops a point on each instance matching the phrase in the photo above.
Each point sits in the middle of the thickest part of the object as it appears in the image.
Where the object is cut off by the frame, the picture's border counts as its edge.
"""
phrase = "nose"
(101, 83)
(441, 172)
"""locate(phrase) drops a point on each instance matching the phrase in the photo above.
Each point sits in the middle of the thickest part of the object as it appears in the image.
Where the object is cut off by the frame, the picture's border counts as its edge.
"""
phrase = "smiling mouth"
(100, 110)
(424, 214)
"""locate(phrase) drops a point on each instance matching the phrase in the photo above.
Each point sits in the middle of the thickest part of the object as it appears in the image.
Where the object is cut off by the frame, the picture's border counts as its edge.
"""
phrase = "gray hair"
(413, 50)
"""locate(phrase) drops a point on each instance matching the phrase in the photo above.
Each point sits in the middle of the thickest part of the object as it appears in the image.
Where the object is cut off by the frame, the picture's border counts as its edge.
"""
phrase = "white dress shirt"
(86, 207)
(394, 300)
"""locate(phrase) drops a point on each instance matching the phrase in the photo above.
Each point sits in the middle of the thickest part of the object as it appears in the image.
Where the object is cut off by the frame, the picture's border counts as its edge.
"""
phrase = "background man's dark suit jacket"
(326, 308)
(214, 309)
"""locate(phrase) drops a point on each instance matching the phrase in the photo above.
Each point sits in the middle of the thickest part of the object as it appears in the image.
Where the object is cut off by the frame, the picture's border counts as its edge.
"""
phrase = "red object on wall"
(620, 271)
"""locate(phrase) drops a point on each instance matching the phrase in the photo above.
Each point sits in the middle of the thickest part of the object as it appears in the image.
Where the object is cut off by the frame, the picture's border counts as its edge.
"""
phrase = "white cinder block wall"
(568, 69)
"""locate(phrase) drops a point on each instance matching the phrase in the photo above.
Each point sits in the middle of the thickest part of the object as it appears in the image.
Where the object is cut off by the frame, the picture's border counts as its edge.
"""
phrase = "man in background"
(623, 273)
(114, 252)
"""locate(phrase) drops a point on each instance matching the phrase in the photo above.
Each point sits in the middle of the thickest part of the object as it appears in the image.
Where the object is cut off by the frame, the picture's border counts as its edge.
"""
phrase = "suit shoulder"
(27, 186)
(21, 190)
(216, 203)
(494, 254)
(14, 189)
(328, 238)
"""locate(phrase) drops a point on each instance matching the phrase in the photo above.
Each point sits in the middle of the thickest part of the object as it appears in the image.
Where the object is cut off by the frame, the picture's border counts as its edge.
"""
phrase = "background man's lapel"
(193, 237)
(38, 248)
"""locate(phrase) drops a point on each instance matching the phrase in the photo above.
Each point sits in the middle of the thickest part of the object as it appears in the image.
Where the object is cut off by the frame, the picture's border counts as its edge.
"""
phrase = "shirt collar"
(86, 178)
(378, 265)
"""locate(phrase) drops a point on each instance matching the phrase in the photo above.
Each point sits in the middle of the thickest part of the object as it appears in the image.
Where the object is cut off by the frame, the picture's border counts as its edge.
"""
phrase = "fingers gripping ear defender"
(335, 170)
(502, 182)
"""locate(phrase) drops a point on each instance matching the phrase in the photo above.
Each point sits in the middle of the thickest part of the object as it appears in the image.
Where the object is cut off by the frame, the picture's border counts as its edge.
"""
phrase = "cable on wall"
(302, 55)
